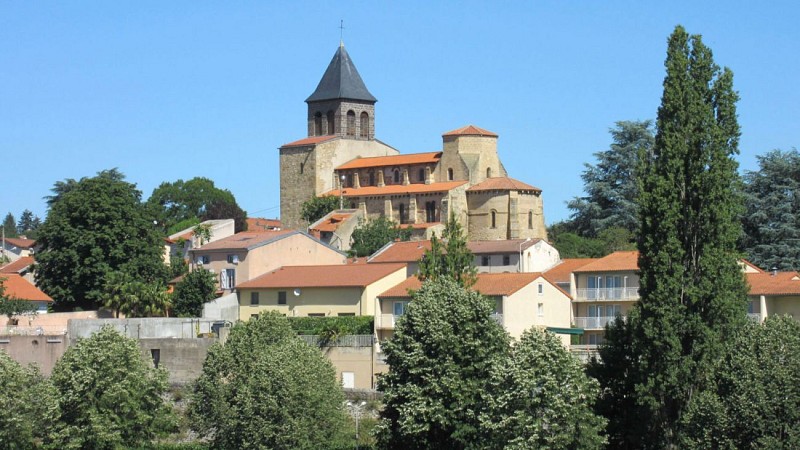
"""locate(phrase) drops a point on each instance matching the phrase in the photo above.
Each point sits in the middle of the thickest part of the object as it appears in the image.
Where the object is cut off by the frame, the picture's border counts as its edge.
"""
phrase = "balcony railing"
(601, 294)
(594, 323)
(584, 352)
(385, 321)
(755, 317)
(498, 318)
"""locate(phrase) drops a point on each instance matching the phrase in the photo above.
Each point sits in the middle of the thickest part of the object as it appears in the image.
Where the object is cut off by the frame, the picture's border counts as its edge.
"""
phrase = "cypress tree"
(692, 290)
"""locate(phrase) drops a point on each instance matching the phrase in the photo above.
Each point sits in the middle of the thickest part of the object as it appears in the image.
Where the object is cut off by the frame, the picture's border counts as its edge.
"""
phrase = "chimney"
(774, 271)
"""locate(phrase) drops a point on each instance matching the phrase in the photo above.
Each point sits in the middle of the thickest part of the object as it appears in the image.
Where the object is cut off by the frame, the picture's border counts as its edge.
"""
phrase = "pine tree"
(27, 223)
(10, 226)
(692, 290)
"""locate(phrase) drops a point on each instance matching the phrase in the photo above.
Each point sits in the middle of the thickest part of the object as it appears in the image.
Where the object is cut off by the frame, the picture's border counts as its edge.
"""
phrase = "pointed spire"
(341, 81)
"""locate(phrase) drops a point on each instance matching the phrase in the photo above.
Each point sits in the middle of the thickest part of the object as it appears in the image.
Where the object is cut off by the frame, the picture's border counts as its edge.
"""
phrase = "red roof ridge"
(389, 189)
(502, 183)
(391, 160)
(313, 140)
(470, 130)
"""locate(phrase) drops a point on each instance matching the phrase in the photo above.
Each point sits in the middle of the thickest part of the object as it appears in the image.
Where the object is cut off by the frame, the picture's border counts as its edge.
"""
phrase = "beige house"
(523, 300)
(323, 291)
(23, 267)
(244, 256)
(773, 293)
(15, 248)
(178, 244)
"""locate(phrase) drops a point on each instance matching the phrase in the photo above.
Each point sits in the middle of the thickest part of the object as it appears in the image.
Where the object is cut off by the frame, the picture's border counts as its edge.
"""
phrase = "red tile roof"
(408, 251)
(420, 226)
(502, 184)
(246, 240)
(493, 284)
(259, 223)
(615, 262)
(332, 222)
(395, 189)
(20, 288)
(782, 283)
(17, 266)
(21, 243)
(394, 160)
(561, 272)
(309, 141)
(470, 130)
(500, 246)
(331, 276)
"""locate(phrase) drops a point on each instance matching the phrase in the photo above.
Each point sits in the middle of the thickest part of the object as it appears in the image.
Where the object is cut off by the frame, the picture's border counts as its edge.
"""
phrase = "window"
(402, 213)
(281, 297)
(493, 219)
(233, 259)
(155, 353)
(399, 308)
(351, 123)
(316, 315)
(540, 310)
(485, 260)
(541, 288)
(203, 259)
(346, 314)
(364, 125)
(530, 220)
(506, 260)
(396, 176)
(450, 174)
(488, 172)
(227, 279)
(330, 122)
(302, 166)
(430, 211)
(372, 178)
(421, 175)
(348, 380)
(254, 298)
(318, 124)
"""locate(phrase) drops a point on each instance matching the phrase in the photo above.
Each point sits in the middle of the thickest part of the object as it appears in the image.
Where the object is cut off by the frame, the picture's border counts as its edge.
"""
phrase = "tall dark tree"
(610, 184)
(10, 226)
(772, 220)
(96, 226)
(370, 236)
(692, 291)
(449, 256)
(195, 198)
(223, 209)
(28, 224)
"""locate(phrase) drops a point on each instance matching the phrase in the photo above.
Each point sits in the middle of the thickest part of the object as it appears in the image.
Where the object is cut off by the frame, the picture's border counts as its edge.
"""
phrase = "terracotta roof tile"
(405, 252)
(314, 140)
(332, 222)
(494, 284)
(21, 243)
(20, 288)
(259, 223)
(615, 262)
(502, 184)
(394, 160)
(344, 275)
(18, 266)
(561, 272)
(245, 240)
(395, 189)
(500, 246)
(782, 283)
(470, 130)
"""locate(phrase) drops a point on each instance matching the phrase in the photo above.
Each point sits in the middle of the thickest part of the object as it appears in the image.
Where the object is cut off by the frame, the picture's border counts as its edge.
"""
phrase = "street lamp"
(341, 191)
(355, 409)
(520, 252)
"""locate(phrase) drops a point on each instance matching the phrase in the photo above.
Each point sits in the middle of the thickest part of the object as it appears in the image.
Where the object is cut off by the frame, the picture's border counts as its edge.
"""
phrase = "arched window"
(364, 125)
(331, 128)
(318, 124)
(372, 178)
(488, 172)
(450, 174)
(402, 213)
(494, 219)
(530, 220)
(421, 175)
(397, 176)
(351, 123)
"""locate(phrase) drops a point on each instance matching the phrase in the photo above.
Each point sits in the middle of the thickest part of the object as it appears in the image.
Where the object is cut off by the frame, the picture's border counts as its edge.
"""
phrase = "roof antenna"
(341, 33)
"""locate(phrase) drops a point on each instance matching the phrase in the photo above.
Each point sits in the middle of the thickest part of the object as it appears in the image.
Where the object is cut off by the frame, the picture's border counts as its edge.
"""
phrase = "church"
(341, 157)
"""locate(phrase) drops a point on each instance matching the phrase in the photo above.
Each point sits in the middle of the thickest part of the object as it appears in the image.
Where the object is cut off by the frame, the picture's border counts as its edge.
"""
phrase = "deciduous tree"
(197, 198)
(265, 388)
(449, 256)
(370, 236)
(28, 402)
(316, 208)
(191, 293)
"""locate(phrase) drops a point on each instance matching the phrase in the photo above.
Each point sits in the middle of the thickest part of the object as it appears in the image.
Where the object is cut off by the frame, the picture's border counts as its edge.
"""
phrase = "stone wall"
(42, 351)
(340, 109)
(298, 183)
(182, 358)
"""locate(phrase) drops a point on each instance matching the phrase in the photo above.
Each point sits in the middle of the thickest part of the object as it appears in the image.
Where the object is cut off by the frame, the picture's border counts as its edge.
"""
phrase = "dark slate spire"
(341, 81)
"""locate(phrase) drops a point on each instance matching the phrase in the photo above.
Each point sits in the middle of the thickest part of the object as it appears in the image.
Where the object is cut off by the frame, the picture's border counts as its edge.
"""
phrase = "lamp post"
(520, 252)
(341, 191)
(355, 410)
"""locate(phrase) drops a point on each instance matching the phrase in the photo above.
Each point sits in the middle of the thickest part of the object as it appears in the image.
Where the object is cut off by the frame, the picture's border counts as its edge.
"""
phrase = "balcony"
(386, 321)
(755, 317)
(584, 352)
(608, 294)
(594, 323)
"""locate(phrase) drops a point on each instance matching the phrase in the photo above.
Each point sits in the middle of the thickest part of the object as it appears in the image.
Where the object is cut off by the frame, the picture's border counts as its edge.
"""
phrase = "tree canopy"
(316, 208)
(109, 396)
(28, 402)
(265, 388)
(195, 199)
(692, 292)
(96, 226)
(370, 236)
(449, 257)
(10, 226)
(192, 292)
(772, 219)
(28, 224)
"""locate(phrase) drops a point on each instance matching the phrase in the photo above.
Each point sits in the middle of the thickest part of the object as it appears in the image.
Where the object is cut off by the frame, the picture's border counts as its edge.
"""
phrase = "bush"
(28, 404)
(325, 325)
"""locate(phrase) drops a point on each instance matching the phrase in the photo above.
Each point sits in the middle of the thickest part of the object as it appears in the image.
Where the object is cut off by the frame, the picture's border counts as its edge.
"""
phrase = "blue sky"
(170, 90)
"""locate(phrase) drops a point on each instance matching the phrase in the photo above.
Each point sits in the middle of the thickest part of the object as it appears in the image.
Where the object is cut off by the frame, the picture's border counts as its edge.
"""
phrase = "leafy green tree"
(177, 267)
(28, 224)
(265, 388)
(195, 198)
(135, 298)
(109, 396)
(449, 257)
(28, 402)
(572, 245)
(610, 185)
(316, 208)
(197, 287)
(692, 291)
(10, 226)
(756, 403)
(541, 398)
(96, 226)
(370, 236)
(440, 362)
(772, 219)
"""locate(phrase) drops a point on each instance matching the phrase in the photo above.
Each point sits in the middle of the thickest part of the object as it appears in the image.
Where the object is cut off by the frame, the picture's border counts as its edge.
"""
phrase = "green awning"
(577, 331)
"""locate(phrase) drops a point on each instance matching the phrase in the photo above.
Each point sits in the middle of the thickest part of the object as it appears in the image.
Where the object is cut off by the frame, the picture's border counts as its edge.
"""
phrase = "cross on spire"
(341, 33)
